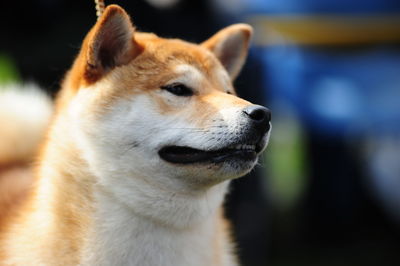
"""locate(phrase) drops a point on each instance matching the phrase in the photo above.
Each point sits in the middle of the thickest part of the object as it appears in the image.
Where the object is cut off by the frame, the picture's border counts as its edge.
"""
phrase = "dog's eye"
(178, 89)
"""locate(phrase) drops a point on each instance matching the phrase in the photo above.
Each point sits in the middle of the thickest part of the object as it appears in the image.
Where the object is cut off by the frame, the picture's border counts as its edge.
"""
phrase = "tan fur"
(14, 183)
(54, 216)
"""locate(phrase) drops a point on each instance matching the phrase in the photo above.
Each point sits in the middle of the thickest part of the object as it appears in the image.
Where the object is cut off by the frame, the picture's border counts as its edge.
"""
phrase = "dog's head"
(163, 109)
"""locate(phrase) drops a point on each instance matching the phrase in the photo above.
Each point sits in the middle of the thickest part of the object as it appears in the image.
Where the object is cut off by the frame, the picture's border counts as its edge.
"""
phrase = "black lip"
(187, 155)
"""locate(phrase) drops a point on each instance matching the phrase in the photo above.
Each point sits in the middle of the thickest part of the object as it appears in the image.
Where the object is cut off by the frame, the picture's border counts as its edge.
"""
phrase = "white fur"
(23, 109)
(224, 79)
(151, 242)
(141, 197)
(188, 75)
(123, 169)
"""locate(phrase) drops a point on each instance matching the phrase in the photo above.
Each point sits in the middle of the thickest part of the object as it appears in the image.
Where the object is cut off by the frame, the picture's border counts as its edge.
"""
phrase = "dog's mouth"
(187, 155)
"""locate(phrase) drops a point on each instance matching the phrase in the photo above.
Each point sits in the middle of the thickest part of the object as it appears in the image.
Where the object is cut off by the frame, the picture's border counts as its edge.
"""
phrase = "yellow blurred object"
(326, 29)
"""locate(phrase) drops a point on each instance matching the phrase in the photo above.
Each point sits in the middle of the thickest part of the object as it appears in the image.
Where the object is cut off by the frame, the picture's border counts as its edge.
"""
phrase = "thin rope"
(99, 8)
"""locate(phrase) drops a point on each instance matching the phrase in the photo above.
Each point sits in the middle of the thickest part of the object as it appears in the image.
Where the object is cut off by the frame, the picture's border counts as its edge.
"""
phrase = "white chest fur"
(123, 236)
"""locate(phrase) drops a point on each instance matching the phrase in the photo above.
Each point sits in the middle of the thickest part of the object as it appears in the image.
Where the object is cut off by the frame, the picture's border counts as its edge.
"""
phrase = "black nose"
(259, 115)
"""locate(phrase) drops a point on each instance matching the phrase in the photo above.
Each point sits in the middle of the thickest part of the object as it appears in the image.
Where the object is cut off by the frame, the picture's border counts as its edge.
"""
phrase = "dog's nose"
(259, 115)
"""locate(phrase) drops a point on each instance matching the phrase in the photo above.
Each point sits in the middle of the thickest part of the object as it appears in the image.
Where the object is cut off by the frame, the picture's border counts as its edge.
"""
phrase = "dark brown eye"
(178, 89)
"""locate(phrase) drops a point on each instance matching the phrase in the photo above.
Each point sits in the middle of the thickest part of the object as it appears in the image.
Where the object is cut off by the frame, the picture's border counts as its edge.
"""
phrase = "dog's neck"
(158, 227)
(123, 236)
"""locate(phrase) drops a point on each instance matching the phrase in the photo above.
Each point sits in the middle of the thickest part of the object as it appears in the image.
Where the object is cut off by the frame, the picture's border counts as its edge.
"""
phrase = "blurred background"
(327, 192)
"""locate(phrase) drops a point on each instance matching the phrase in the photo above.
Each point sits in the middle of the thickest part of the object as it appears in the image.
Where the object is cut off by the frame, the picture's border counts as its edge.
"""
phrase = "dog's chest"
(124, 238)
(145, 245)
(144, 248)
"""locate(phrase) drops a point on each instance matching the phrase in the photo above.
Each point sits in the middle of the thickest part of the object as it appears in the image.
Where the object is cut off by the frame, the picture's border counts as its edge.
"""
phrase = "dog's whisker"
(131, 145)
(187, 129)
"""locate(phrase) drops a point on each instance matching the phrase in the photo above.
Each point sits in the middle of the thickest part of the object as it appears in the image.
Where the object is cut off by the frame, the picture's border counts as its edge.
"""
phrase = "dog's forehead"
(187, 62)
(196, 62)
(190, 74)
(175, 51)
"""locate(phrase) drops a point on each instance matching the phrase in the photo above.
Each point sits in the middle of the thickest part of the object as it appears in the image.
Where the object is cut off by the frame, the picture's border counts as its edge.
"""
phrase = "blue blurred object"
(320, 6)
(336, 91)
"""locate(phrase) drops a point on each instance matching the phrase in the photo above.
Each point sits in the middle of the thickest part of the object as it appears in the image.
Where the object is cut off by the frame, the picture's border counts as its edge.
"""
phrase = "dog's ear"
(110, 43)
(230, 45)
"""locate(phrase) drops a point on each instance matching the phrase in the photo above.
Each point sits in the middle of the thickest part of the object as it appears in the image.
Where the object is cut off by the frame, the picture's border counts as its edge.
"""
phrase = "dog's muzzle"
(246, 147)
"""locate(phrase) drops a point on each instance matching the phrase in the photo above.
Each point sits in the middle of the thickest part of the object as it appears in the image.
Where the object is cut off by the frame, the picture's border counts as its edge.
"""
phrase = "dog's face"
(163, 109)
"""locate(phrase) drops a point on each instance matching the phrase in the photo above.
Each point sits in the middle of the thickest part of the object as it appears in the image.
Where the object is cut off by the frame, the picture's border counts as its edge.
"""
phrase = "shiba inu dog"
(146, 135)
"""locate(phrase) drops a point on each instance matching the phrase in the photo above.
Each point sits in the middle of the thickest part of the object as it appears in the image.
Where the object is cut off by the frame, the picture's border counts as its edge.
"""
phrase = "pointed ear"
(109, 44)
(230, 45)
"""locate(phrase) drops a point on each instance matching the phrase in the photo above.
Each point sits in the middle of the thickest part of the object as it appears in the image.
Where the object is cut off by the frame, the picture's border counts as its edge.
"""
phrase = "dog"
(146, 135)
